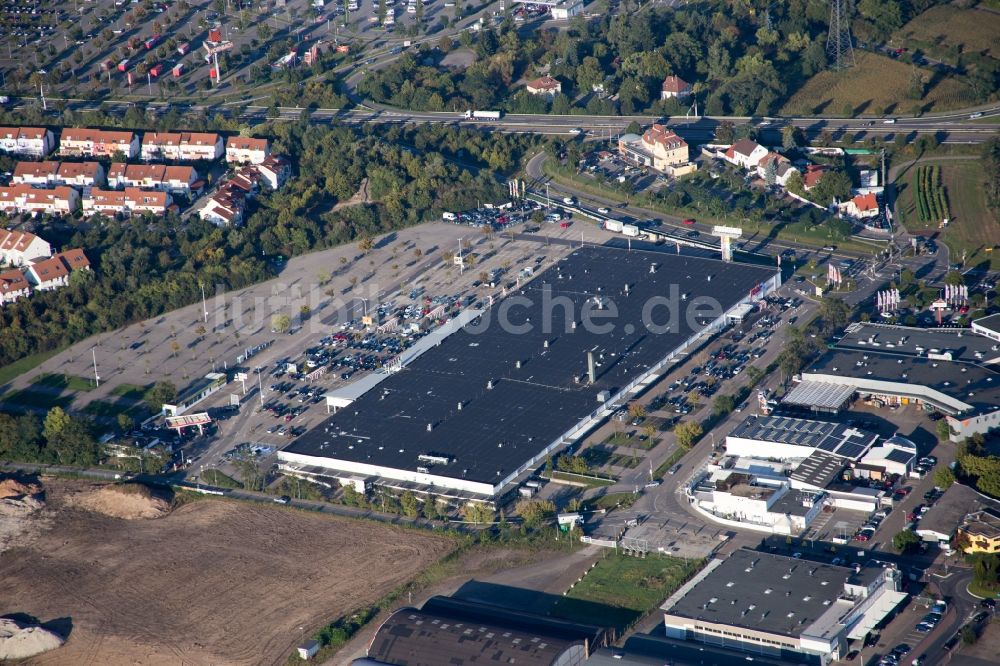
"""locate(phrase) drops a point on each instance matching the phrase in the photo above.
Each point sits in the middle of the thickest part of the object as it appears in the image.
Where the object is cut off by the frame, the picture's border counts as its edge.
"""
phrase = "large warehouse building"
(481, 408)
(949, 371)
(782, 606)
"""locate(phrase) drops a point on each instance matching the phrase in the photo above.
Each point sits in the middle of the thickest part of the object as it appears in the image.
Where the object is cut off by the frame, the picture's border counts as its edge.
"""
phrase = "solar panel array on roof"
(899, 456)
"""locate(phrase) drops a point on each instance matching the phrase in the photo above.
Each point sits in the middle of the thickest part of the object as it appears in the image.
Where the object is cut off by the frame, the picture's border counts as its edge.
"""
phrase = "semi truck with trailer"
(482, 115)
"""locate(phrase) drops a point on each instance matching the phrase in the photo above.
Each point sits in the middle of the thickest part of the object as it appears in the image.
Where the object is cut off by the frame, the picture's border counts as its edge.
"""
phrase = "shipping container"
(178, 70)
(123, 65)
(156, 70)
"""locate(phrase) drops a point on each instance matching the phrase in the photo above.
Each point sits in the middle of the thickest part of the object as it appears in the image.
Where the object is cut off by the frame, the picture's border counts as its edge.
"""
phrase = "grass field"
(37, 399)
(110, 410)
(971, 229)
(18, 368)
(130, 391)
(949, 27)
(631, 585)
(64, 381)
(875, 86)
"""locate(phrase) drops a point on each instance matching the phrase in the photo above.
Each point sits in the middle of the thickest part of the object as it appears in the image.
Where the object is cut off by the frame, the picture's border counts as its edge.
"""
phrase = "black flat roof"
(499, 429)
(973, 384)
(764, 591)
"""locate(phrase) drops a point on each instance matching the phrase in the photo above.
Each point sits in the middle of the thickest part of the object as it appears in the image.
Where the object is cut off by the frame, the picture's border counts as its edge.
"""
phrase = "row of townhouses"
(31, 266)
(178, 146)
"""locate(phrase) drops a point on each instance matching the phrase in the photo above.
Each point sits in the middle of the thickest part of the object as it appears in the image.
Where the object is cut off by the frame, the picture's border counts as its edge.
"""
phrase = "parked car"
(284, 499)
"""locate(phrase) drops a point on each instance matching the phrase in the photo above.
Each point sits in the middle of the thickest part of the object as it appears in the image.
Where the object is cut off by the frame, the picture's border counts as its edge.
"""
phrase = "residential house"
(567, 10)
(174, 179)
(978, 533)
(50, 173)
(675, 86)
(104, 202)
(814, 174)
(545, 85)
(88, 142)
(861, 206)
(81, 174)
(27, 141)
(144, 201)
(75, 259)
(226, 207)
(13, 285)
(128, 201)
(246, 180)
(18, 248)
(27, 199)
(275, 170)
(47, 274)
(246, 150)
(658, 148)
(36, 174)
(783, 168)
(182, 146)
(745, 153)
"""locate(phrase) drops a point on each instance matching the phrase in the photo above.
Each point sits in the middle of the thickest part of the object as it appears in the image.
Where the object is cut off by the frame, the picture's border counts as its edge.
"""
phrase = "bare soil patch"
(129, 501)
(212, 582)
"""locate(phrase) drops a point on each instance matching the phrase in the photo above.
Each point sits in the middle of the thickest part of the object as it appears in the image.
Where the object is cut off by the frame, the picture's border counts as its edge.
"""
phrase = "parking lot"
(94, 46)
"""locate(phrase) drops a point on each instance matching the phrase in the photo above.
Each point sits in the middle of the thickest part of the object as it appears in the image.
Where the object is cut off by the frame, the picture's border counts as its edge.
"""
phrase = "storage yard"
(212, 582)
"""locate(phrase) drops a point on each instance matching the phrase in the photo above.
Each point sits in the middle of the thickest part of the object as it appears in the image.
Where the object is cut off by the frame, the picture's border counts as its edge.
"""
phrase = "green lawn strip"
(130, 391)
(64, 381)
(37, 399)
(110, 410)
(9, 372)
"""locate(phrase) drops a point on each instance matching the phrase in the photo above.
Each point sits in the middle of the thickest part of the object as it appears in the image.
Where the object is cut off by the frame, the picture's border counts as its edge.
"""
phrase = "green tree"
(943, 430)
(477, 513)
(944, 477)
(534, 512)
(954, 278)
(723, 405)
(430, 509)
(687, 432)
(906, 541)
(160, 393)
(56, 423)
(409, 504)
(835, 313)
(125, 422)
(789, 140)
(281, 323)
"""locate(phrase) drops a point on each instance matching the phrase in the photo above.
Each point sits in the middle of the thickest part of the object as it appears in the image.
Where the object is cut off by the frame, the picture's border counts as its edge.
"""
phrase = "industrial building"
(949, 371)
(457, 632)
(476, 406)
(962, 510)
(788, 438)
(780, 606)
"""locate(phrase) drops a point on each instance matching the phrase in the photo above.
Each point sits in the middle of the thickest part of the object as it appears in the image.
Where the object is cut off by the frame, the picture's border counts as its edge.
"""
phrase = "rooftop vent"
(430, 426)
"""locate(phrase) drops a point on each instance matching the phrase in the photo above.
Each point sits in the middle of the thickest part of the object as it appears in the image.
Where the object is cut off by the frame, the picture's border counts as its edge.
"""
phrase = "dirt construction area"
(211, 582)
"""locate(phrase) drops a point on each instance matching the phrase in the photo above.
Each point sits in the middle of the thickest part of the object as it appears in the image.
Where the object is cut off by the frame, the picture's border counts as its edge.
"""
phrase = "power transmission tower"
(839, 48)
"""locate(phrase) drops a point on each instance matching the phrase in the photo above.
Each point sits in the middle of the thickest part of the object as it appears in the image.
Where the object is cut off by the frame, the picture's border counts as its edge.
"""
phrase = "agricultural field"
(971, 229)
(209, 582)
(877, 85)
(947, 31)
(929, 195)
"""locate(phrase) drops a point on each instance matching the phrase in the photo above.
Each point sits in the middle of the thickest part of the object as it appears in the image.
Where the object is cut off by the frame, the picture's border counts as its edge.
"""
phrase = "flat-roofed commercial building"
(778, 606)
(480, 403)
(952, 372)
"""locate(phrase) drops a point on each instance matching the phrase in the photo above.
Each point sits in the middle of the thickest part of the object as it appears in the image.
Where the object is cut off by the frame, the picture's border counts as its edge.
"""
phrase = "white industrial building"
(782, 607)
